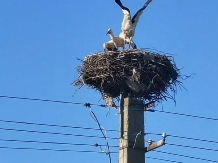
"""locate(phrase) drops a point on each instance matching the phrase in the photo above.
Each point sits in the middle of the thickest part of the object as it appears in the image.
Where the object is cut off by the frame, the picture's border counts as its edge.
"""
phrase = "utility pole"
(131, 144)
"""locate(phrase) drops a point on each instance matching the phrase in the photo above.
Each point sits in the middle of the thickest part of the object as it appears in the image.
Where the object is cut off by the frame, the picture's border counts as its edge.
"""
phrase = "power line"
(82, 144)
(52, 133)
(180, 155)
(101, 105)
(184, 137)
(187, 115)
(104, 134)
(160, 159)
(66, 150)
(197, 139)
(97, 129)
(54, 101)
(52, 125)
(56, 125)
(94, 145)
(49, 149)
(51, 142)
(193, 147)
(89, 128)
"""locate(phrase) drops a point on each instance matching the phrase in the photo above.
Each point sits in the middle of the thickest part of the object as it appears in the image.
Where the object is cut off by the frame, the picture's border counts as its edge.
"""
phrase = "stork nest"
(135, 73)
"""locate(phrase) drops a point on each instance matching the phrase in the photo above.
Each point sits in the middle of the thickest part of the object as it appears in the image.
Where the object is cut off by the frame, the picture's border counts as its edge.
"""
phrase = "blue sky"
(39, 43)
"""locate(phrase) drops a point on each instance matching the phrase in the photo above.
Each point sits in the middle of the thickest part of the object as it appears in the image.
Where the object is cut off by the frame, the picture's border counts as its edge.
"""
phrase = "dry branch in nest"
(135, 73)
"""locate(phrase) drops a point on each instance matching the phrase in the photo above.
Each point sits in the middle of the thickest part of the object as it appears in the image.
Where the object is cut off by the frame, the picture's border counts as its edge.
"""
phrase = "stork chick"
(109, 46)
(118, 41)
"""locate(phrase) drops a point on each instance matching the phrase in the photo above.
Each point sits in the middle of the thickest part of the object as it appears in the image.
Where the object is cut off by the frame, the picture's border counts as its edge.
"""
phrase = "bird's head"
(109, 31)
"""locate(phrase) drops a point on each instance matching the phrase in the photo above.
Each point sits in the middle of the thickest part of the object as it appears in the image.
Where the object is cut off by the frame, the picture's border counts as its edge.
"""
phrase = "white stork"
(129, 24)
(109, 46)
(117, 41)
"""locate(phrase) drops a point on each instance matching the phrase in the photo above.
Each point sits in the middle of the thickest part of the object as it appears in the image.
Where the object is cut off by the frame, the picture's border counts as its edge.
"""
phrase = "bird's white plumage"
(129, 23)
(118, 41)
(109, 45)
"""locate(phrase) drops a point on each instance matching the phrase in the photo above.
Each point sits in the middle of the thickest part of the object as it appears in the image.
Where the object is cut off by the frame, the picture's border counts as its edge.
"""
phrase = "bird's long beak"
(108, 32)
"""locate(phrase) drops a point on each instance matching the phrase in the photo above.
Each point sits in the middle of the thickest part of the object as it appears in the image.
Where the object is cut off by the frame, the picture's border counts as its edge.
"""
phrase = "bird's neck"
(111, 35)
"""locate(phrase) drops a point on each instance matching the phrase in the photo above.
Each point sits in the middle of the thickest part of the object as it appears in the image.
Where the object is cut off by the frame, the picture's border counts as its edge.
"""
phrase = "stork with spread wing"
(129, 23)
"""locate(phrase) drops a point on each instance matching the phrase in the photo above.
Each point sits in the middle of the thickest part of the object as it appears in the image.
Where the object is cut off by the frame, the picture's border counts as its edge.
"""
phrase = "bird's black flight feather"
(121, 5)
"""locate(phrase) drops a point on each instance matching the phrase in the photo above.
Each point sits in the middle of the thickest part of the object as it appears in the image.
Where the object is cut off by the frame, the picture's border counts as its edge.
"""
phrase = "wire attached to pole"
(103, 133)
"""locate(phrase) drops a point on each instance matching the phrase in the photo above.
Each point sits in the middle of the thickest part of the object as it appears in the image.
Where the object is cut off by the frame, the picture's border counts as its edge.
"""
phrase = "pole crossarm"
(155, 145)
(146, 149)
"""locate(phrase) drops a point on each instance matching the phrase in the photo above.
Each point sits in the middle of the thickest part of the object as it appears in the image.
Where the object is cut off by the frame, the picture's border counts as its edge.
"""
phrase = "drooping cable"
(102, 131)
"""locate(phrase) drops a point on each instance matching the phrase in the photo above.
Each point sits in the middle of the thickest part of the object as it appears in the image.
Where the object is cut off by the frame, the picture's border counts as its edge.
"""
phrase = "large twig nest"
(135, 73)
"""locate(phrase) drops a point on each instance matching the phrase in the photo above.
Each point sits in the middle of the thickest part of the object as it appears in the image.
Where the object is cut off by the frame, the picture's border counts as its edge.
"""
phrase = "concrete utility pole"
(131, 146)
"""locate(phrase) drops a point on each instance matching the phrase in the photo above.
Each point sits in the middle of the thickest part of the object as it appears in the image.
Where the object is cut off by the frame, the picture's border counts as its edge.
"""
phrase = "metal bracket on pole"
(157, 144)
(149, 105)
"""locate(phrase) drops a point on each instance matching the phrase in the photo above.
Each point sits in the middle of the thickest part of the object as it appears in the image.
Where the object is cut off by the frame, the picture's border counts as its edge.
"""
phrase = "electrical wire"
(52, 125)
(187, 115)
(89, 105)
(139, 133)
(64, 143)
(196, 139)
(51, 142)
(54, 101)
(193, 147)
(88, 151)
(101, 128)
(95, 145)
(97, 129)
(52, 133)
(184, 137)
(56, 125)
(180, 155)
(81, 144)
(50, 149)
(69, 150)
(160, 159)
(101, 105)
